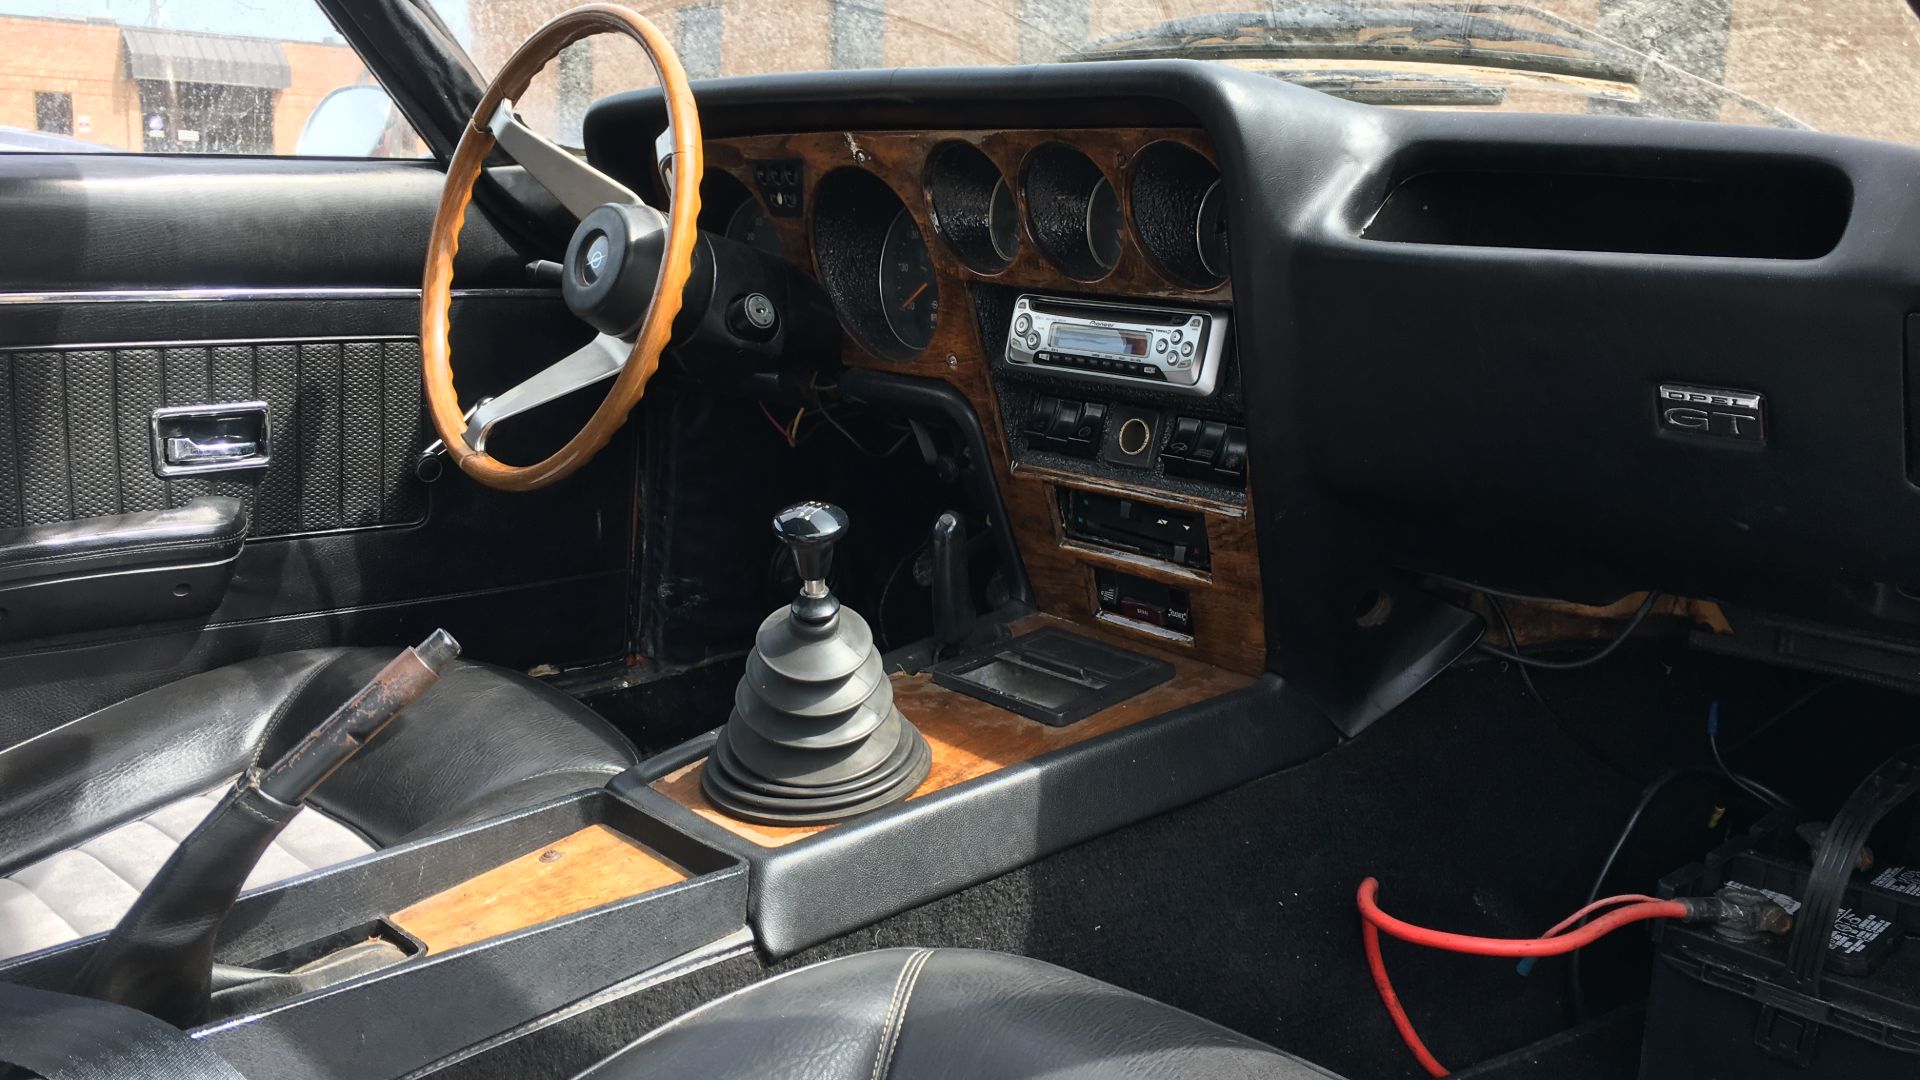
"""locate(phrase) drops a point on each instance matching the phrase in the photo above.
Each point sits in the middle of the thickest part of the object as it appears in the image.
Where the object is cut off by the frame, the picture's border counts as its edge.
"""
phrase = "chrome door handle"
(190, 439)
(182, 450)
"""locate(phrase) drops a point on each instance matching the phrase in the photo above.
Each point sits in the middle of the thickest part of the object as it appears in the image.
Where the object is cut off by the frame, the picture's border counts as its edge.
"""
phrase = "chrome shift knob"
(810, 529)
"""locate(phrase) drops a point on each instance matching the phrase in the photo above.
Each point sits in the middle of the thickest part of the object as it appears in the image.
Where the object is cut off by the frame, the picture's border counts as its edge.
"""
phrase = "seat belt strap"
(63, 1037)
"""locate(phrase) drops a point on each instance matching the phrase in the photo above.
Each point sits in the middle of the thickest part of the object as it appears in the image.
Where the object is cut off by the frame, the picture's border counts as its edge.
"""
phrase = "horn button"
(613, 262)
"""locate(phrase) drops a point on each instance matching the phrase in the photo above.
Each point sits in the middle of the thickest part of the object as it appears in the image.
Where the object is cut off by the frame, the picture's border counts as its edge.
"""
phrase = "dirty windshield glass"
(1845, 66)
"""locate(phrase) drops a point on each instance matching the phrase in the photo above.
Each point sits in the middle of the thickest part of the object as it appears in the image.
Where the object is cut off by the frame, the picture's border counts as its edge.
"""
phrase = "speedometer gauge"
(909, 296)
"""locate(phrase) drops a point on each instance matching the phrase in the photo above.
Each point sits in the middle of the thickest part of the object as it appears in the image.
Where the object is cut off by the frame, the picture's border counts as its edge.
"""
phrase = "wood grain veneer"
(576, 873)
(1228, 616)
(971, 738)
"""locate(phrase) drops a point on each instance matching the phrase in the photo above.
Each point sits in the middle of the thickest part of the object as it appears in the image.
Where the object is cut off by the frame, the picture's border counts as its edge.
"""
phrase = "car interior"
(1129, 567)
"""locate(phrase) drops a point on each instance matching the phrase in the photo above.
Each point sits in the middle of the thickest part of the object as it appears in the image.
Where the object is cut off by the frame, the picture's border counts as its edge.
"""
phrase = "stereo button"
(1022, 324)
(1186, 432)
(1160, 345)
(1207, 450)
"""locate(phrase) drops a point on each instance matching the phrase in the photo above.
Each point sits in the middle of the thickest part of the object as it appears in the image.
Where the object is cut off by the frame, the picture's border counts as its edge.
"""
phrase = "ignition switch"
(753, 317)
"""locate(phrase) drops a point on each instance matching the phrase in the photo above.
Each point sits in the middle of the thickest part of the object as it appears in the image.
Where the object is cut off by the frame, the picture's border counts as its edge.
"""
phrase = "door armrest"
(207, 530)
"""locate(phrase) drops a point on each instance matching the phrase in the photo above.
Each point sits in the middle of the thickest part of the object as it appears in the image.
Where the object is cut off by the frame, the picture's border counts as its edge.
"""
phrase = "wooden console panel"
(576, 873)
(971, 738)
(1228, 617)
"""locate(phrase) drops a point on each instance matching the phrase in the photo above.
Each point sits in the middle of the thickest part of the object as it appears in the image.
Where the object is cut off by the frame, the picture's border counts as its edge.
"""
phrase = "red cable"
(1610, 901)
(1370, 936)
(1560, 945)
(1555, 942)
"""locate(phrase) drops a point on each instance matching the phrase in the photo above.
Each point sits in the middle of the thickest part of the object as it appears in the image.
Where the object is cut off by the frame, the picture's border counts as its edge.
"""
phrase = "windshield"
(1845, 66)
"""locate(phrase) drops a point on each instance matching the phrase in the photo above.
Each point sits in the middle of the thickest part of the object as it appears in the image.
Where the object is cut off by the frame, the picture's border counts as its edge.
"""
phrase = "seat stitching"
(886, 1022)
(897, 1012)
(559, 770)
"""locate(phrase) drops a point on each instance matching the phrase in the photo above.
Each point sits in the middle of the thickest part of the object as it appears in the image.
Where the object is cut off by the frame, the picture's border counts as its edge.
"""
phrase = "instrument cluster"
(895, 223)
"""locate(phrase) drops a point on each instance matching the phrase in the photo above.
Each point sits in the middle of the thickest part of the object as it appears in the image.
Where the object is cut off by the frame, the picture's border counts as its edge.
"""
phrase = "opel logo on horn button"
(595, 259)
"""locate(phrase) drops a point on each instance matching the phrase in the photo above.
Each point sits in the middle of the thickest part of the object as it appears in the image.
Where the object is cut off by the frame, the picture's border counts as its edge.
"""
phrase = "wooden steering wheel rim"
(436, 289)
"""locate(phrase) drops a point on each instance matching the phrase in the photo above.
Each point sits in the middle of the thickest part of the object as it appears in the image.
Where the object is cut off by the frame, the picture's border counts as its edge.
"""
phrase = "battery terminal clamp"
(1740, 914)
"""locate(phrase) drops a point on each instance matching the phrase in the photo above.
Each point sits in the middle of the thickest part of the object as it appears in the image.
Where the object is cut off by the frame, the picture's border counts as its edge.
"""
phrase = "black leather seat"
(90, 810)
(916, 1014)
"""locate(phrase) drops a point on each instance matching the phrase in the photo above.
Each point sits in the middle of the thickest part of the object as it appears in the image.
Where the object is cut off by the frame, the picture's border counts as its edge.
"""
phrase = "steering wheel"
(625, 267)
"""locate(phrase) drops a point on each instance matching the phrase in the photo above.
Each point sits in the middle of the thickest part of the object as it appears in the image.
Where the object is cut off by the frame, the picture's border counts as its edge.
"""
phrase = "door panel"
(346, 418)
(313, 308)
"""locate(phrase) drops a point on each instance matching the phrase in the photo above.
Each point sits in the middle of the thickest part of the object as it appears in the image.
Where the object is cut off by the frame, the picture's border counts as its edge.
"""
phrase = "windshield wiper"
(1515, 37)
(1477, 34)
(1380, 87)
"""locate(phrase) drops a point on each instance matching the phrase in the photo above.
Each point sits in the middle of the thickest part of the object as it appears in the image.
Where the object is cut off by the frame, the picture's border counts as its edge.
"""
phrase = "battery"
(1727, 1009)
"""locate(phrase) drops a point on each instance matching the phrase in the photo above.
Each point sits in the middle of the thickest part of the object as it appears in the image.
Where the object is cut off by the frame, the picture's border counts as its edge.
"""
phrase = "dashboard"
(1488, 347)
(1073, 285)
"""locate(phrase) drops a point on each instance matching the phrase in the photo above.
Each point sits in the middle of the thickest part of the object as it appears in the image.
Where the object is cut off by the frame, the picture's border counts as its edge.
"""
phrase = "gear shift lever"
(810, 529)
(814, 735)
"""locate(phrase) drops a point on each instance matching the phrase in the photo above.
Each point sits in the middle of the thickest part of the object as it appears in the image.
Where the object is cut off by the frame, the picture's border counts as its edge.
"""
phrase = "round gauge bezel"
(1212, 205)
(1097, 233)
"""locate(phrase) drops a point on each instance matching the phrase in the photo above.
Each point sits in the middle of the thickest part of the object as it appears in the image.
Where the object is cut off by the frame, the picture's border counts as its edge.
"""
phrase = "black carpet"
(1604, 1049)
(1478, 812)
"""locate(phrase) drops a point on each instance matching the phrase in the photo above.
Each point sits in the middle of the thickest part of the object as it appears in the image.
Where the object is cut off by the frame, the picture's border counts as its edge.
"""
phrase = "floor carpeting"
(1607, 1048)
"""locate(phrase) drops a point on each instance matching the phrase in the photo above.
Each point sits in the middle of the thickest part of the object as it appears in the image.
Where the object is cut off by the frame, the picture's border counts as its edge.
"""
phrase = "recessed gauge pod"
(1180, 212)
(973, 208)
(751, 226)
(1073, 211)
(873, 261)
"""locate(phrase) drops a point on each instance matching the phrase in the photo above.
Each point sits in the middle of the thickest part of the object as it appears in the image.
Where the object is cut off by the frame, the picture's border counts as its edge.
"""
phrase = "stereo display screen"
(1098, 339)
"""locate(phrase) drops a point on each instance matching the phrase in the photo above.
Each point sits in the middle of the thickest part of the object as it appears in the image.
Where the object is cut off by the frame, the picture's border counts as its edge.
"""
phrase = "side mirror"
(353, 121)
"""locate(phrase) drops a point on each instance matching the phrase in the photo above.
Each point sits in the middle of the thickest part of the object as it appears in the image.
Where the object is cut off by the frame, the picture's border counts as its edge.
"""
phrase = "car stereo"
(1177, 349)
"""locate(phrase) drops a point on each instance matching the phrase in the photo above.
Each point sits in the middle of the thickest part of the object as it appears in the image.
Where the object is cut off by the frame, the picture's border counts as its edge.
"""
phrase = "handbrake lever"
(159, 959)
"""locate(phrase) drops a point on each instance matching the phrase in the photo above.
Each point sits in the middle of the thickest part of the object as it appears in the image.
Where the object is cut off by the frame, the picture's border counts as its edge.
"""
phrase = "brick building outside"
(105, 83)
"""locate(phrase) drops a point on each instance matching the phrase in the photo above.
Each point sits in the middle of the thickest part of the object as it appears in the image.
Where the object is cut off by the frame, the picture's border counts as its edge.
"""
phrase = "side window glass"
(189, 77)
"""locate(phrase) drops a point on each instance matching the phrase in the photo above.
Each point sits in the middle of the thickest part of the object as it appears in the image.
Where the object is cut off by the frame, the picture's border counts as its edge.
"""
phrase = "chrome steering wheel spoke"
(579, 186)
(596, 361)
